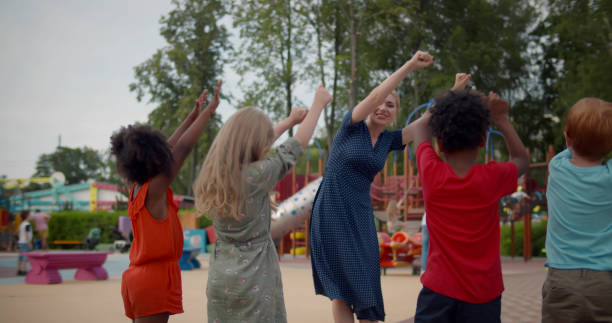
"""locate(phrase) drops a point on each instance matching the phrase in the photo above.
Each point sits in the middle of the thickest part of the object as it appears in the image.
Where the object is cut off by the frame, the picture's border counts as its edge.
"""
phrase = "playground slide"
(293, 211)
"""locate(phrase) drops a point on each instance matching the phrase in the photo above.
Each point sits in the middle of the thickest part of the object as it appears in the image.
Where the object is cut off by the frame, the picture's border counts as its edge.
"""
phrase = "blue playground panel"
(195, 238)
(189, 261)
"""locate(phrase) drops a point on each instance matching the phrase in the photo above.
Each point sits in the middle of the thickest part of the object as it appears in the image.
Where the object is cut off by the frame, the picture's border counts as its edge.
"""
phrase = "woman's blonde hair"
(397, 107)
(397, 99)
(244, 138)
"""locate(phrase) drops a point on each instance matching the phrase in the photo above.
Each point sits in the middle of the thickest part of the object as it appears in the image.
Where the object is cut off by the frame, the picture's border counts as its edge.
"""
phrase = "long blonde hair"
(244, 138)
(397, 107)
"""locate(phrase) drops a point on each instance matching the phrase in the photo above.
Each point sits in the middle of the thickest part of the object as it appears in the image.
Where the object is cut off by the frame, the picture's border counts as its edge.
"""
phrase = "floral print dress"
(244, 279)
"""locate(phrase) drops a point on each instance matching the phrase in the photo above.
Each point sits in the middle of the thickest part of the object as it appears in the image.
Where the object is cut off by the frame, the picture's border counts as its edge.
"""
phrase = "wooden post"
(412, 179)
(320, 166)
(526, 213)
(527, 236)
(385, 182)
(394, 167)
(512, 238)
(386, 171)
(307, 222)
(307, 172)
(293, 190)
(407, 177)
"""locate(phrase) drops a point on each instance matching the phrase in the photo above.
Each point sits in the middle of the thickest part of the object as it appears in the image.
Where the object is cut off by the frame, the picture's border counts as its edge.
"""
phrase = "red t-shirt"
(462, 220)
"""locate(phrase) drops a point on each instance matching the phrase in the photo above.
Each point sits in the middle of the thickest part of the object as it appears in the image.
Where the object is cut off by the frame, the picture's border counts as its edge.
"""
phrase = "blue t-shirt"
(579, 233)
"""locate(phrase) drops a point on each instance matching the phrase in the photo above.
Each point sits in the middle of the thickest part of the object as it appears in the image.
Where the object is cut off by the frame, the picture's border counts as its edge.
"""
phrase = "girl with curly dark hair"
(151, 286)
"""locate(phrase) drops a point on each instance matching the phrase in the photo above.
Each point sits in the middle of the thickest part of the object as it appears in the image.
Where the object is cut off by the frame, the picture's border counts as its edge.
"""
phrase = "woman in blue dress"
(344, 245)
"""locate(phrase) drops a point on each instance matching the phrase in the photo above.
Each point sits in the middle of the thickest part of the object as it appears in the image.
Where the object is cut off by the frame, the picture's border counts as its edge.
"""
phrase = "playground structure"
(536, 199)
(297, 192)
(291, 217)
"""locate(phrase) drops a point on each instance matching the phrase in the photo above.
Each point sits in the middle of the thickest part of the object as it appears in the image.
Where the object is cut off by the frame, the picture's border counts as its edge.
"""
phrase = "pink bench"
(45, 266)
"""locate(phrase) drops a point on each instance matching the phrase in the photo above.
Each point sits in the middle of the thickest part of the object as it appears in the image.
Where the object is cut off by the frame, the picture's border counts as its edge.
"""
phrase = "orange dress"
(152, 283)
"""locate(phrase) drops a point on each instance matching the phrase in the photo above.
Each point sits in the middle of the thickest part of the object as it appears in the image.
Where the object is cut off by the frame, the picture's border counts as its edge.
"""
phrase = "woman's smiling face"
(385, 113)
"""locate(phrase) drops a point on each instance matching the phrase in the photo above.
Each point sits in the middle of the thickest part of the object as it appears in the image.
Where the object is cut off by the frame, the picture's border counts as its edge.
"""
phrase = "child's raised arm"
(189, 139)
(499, 114)
(180, 150)
(420, 129)
(379, 94)
(296, 116)
(306, 129)
(193, 115)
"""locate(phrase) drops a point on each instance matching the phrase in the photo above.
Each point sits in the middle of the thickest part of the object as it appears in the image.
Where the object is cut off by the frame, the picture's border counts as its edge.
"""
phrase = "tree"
(176, 74)
(575, 40)
(271, 51)
(78, 164)
(352, 45)
(328, 25)
(340, 29)
(488, 39)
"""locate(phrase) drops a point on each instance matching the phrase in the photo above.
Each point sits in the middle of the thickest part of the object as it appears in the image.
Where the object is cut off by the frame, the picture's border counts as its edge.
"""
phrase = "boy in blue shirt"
(578, 287)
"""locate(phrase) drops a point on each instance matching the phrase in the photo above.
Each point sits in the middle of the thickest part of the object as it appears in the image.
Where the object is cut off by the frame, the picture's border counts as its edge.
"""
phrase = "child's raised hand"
(212, 106)
(461, 81)
(421, 59)
(322, 96)
(498, 106)
(297, 115)
(198, 104)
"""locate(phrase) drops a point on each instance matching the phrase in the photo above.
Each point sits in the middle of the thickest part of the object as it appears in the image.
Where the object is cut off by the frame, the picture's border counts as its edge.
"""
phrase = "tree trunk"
(330, 121)
(353, 94)
(288, 79)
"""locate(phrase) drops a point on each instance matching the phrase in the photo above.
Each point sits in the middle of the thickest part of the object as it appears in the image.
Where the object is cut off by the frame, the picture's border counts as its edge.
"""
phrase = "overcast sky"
(65, 67)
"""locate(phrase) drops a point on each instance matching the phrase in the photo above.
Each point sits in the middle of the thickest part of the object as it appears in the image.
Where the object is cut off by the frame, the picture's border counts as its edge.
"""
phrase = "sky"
(65, 70)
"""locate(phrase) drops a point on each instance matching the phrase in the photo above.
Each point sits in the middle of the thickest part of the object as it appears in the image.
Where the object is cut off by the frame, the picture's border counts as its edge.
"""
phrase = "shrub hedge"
(75, 225)
(538, 239)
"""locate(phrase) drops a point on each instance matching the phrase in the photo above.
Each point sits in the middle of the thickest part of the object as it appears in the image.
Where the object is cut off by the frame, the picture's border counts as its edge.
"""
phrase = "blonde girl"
(244, 281)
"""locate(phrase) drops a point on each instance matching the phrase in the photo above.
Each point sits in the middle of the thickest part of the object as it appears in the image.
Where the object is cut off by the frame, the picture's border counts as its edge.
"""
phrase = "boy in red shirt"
(463, 280)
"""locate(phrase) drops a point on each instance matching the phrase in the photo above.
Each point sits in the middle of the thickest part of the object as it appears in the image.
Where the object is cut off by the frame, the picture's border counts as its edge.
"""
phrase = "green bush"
(75, 225)
(204, 221)
(538, 239)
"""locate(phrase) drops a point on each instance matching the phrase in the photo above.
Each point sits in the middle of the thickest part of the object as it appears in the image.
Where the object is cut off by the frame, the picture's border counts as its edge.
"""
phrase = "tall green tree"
(272, 44)
(341, 29)
(78, 164)
(175, 75)
(327, 62)
(488, 39)
(576, 45)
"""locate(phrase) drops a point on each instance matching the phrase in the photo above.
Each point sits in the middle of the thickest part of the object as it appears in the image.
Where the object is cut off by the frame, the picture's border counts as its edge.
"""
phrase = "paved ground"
(100, 301)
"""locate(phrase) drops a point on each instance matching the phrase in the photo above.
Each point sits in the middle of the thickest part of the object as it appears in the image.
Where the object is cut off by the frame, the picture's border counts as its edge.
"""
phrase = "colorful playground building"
(86, 197)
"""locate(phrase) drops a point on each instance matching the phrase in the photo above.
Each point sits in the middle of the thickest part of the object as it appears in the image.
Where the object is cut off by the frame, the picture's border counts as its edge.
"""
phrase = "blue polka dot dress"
(343, 240)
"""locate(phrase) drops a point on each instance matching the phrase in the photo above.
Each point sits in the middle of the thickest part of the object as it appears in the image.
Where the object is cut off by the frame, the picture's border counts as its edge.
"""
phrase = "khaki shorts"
(43, 233)
(577, 295)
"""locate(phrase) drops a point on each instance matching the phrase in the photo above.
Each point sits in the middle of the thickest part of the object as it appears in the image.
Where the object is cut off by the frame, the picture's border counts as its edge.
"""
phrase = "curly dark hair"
(459, 120)
(141, 153)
